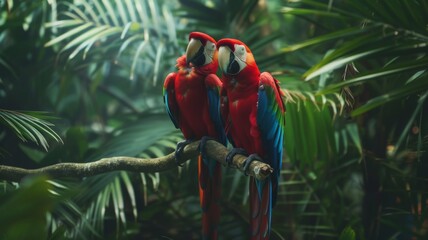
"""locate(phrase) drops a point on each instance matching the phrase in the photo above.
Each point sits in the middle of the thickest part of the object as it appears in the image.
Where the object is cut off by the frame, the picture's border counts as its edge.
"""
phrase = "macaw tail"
(260, 208)
(209, 174)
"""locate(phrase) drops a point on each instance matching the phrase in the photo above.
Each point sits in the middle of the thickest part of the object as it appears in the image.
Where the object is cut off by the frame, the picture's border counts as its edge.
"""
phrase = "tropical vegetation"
(82, 79)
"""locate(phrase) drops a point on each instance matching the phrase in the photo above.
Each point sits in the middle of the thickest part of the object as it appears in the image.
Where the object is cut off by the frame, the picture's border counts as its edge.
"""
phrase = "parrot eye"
(210, 48)
(240, 52)
(211, 45)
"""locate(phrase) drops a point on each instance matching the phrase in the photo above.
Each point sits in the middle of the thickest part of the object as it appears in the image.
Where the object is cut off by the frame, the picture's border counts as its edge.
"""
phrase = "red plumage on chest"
(242, 109)
(191, 97)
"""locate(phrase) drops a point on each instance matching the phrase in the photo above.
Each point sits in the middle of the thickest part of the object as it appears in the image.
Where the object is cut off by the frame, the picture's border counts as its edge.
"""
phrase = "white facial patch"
(209, 51)
(241, 55)
(240, 52)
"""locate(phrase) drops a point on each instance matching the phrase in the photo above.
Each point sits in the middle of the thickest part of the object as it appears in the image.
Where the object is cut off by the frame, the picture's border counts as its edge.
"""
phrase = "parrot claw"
(179, 150)
(249, 160)
(232, 153)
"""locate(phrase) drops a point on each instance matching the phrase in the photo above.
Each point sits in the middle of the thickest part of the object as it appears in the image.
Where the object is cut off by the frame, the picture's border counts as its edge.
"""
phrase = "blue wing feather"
(270, 120)
(169, 98)
(213, 90)
(213, 86)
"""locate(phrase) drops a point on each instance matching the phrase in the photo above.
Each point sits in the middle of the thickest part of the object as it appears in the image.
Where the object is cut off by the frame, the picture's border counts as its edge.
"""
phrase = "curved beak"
(195, 53)
(227, 61)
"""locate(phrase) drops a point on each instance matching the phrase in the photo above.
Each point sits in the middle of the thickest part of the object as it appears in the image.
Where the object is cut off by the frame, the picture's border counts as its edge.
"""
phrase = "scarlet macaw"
(192, 101)
(254, 116)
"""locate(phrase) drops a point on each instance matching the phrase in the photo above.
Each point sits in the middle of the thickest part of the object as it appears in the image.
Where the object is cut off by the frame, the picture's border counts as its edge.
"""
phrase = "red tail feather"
(209, 196)
(260, 207)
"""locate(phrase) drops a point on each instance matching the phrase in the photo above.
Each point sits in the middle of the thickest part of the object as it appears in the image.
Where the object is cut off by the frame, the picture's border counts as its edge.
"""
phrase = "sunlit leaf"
(341, 62)
(68, 34)
(27, 127)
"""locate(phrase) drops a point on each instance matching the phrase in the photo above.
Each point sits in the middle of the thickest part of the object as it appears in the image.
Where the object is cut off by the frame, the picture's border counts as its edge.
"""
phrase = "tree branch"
(215, 151)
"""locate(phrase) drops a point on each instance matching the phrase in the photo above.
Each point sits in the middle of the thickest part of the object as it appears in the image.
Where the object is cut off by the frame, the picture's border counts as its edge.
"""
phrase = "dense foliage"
(356, 81)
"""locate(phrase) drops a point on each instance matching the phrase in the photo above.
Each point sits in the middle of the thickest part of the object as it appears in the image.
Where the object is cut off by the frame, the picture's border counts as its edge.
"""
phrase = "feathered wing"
(224, 112)
(214, 86)
(209, 171)
(169, 98)
(271, 122)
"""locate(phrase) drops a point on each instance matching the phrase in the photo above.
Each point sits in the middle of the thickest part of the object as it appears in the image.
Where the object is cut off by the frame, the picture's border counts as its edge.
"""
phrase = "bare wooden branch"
(215, 151)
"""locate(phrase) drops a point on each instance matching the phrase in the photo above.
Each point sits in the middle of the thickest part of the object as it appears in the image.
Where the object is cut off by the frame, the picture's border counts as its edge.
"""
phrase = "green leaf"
(68, 34)
(381, 100)
(34, 154)
(410, 122)
(347, 234)
(27, 127)
(301, 11)
(377, 74)
(137, 137)
(89, 9)
(111, 12)
(101, 12)
(24, 210)
(85, 36)
(122, 13)
(341, 62)
(130, 9)
(64, 23)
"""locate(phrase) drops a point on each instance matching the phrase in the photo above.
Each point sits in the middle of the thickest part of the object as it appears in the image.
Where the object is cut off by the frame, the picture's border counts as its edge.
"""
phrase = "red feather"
(243, 119)
(189, 107)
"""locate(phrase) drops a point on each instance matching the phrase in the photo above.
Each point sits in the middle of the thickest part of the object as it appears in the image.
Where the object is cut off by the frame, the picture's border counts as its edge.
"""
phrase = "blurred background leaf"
(30, 203)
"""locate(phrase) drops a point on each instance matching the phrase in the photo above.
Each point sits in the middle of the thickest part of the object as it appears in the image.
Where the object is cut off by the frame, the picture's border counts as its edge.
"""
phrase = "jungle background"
(82, 79)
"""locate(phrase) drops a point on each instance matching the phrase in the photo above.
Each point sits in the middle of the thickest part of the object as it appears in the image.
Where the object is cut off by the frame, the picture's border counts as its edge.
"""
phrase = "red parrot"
(192, 101)
(254, 116)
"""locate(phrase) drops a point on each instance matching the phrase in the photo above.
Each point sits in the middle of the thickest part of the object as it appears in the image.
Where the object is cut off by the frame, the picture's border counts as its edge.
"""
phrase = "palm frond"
(377, 38)
(116, 194)
(385, 42)
(308, 215)
(28, 127)
(115, 25)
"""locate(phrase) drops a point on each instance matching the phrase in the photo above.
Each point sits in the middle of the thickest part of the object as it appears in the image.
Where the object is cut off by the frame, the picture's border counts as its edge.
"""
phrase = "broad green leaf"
(376, 74)
(340, 62)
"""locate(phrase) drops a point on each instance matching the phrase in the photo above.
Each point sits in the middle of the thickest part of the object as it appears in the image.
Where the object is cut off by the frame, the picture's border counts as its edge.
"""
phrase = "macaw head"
(234, 57)
(201, 50)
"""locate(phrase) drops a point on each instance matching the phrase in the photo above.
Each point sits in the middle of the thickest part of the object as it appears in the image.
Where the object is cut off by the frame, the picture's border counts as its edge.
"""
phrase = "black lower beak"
(199, 58)
(233, 67)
